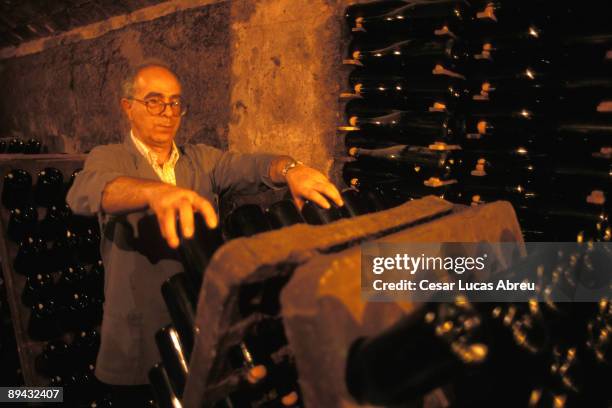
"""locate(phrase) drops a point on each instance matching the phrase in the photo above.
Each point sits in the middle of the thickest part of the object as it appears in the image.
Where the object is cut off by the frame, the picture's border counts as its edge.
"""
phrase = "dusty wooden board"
(324, 312)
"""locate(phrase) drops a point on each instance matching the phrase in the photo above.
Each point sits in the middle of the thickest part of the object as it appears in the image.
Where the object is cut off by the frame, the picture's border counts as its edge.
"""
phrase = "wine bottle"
(22, 222)
(500, 126)
(414, 56)
(89, 246)
(16, 190)
(79, 311)
(84, 348)
(245, 221)
(32, 146)
(63, 251)
(162, 387)
(173, 358)
(585, 96)
(352, 172)
(591, 134)
(363, 108)
(357, 138)
(181, 301)
(43, 321)
(372, 8)
(577, 176)
(283, 213)
(31, 256)
(524, 83)
(589, 223)
(504, 15)
(52, 360)
(355, 203)
(441, 162)
(359, 202)
(73, 277)
(584, 52)
(3, 146)
(49, 187)
(316, 215)
(73, 176)
(55, 222)
(415, 128)
(509, 48)
(37, 288)
(269, 381)
(420, 19)
(431, 93)
(95, 281)
(80, 385)
(15, 145)
(417, 354)
(197, 251)
(80, 224)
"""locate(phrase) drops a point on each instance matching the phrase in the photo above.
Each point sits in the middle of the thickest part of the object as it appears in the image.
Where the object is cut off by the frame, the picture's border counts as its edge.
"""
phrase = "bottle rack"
(298, 273)
(557, 147)
(28, 348)
(258, 322)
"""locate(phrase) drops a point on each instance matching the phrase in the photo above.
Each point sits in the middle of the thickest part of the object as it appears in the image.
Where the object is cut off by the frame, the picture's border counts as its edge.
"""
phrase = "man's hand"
(168, 201)
(306, 183)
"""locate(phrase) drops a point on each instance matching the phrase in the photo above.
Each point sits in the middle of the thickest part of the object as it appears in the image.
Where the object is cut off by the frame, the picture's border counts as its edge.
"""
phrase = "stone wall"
(68, 95)
(260, 75)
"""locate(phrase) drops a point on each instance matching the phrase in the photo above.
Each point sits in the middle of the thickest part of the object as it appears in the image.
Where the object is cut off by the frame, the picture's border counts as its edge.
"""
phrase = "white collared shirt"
(166, 170)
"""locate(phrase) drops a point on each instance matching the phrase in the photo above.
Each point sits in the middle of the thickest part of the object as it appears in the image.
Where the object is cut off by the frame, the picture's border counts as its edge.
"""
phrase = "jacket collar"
(183, 167)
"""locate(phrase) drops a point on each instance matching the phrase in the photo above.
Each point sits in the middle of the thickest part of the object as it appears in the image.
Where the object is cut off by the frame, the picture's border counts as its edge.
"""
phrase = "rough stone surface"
(259, 76)
(286, 75)
(68, 96)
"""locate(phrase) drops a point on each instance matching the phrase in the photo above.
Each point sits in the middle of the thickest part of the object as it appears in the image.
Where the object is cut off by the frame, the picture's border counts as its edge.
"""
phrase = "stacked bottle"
(514, 98)
(57, 255)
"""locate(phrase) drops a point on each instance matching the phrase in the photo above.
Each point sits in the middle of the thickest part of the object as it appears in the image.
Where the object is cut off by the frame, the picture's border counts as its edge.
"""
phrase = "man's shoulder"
(198, 147)
(108, 153)
(109, 149)
(201, 151)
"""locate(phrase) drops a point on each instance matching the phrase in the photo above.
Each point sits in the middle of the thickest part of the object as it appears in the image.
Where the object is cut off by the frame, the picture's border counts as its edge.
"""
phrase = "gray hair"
(127, 85)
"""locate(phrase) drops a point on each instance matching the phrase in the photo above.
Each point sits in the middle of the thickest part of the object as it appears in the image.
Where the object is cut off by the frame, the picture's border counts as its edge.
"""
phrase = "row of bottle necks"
(574, 206)
(19, 190)
(488, 130)
(456, 18)
(505, 53)
(16, 145)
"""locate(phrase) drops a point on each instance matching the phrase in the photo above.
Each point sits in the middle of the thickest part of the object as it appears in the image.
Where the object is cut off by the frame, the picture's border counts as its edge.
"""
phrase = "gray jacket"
(136, 258)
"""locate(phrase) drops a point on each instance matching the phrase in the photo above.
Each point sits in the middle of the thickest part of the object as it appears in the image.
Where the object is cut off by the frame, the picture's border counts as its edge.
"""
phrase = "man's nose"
(167, 111)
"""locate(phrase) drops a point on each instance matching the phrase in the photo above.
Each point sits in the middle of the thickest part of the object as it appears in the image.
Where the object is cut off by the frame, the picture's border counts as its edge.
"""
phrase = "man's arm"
(246, 173)
(127, 194)
(102, 188)
(305, 183)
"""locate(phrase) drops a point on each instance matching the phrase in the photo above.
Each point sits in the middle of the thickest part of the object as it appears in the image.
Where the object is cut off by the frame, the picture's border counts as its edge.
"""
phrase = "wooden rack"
(28, 349)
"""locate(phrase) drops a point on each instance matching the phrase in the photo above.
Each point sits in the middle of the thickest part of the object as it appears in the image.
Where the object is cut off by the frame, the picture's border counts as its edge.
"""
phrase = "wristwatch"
(291, 165)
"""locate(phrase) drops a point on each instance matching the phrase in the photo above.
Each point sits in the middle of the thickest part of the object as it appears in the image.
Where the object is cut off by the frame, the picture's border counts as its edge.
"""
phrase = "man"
(149, 174)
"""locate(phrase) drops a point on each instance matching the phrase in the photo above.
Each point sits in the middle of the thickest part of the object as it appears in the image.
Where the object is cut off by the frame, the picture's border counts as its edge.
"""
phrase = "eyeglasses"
(157, 107)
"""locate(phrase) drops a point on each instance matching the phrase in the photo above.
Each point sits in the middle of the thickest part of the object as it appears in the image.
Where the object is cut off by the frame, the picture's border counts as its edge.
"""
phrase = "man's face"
(154, 85)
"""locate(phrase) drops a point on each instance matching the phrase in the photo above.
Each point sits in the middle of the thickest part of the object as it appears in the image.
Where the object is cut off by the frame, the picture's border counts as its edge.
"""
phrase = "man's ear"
(126, 106)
